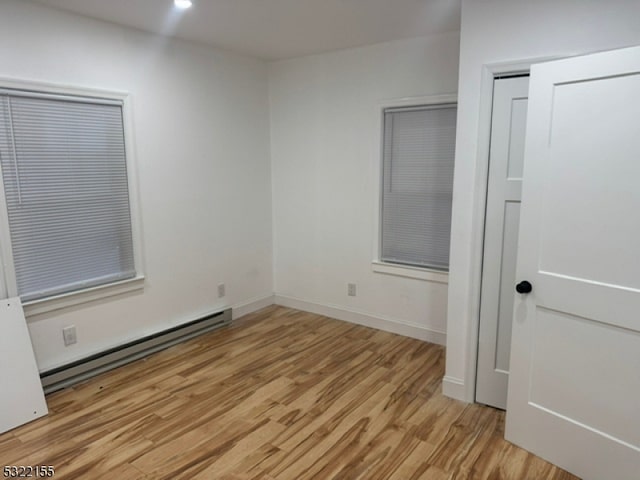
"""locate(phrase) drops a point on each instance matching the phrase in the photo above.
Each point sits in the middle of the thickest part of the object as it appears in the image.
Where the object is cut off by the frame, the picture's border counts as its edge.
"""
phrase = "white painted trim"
(386, 324)
(465, 389)
(8, 276)
(241, 309)
(134, 190)
(377, 134)
(454, 388)
(38, 86)
(419, 100)
(66, 300)
(8, 283)
(407, 271)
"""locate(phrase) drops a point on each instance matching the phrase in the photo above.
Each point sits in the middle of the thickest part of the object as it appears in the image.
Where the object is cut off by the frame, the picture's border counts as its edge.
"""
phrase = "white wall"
(201, 126)
(324, 135)
(496, 31)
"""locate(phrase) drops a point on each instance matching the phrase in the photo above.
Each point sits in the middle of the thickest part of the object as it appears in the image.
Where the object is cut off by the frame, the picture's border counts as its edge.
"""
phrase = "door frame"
(467, 391)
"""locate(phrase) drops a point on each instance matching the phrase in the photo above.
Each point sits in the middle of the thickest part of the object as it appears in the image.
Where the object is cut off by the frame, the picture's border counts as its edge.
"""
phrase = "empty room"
(320, 239)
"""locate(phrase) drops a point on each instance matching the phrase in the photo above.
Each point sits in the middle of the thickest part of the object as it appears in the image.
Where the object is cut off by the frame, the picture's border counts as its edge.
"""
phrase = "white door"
(22, 399)
(504, 189)
(574, 386)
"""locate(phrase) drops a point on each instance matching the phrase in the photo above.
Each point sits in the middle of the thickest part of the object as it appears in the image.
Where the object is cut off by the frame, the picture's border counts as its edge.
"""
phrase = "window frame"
(377, 265)
(8, 283)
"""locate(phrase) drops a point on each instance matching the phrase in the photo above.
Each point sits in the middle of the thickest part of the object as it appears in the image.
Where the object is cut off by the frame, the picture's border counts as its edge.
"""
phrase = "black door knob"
(524, 287)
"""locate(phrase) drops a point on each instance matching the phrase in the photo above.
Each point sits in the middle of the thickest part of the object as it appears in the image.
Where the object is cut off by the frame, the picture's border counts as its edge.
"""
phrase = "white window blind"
(65, 180)
(418, 159)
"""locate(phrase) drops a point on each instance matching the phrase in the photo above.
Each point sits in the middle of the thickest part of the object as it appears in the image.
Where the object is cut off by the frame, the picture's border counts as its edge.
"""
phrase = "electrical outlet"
(221, 290)
(69, 334)
(351, 289)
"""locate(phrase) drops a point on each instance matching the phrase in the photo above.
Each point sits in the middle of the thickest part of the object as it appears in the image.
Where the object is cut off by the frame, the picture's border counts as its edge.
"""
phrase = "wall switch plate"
(69, 334)
(351, 289)
(221, 290)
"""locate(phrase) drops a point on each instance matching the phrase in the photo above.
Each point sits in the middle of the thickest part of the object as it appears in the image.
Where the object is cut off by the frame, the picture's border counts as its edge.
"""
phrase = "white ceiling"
(277, 29)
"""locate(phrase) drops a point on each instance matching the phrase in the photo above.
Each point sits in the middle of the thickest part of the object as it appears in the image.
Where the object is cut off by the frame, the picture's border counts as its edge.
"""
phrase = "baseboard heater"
(78, 371)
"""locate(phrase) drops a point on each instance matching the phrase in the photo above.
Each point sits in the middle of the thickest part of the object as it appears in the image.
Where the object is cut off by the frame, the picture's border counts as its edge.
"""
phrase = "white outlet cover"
(69, 334)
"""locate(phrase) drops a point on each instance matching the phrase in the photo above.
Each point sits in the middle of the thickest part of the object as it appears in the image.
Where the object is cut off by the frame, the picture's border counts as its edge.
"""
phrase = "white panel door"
(21, 398)
(504, 189)
(574, 386)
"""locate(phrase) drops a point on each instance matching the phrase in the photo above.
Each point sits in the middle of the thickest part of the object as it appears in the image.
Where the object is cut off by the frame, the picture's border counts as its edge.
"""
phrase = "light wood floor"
(279, 395)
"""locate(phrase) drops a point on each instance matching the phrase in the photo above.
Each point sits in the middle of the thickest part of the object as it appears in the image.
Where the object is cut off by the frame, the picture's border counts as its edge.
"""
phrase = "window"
(417, 183)
(66, 194)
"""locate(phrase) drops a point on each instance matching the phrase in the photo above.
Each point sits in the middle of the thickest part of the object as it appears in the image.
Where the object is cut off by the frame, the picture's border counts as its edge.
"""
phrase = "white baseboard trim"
(454, 388)
(241, 309)
(381, 323)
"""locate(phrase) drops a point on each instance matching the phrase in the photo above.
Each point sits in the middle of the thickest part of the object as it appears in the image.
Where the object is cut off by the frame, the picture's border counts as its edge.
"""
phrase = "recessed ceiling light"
(183, 4)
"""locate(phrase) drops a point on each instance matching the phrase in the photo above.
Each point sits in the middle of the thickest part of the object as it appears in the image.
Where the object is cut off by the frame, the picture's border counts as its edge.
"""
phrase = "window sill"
(57, 302)
(406, 271)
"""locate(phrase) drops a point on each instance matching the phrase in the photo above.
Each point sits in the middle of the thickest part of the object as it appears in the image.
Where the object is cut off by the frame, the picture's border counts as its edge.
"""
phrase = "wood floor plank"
(278, 395)
(413, 462)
